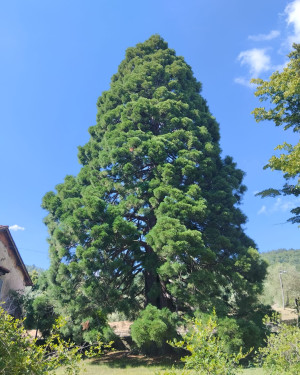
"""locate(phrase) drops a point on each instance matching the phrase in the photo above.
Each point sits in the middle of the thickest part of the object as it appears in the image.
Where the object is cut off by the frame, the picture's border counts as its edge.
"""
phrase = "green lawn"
(254, 371)
(108, 370)
(141, 370)
(120, 364)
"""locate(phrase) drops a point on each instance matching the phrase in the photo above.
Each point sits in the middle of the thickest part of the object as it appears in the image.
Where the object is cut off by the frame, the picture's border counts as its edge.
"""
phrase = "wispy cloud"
(245, 82)
(16, 228)
(262, 210)
(262, 37)
(256, 59)
(284, 206)
(280, 205)
(292, 12)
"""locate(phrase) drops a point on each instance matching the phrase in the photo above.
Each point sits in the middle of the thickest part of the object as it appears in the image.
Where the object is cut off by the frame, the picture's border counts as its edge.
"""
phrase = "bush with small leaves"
(153, 329)
(20, 355)
(281, 355)
(208, 352)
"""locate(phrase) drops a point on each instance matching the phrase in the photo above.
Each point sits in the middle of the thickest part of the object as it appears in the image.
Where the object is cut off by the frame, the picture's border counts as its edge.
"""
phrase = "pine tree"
(153, 213)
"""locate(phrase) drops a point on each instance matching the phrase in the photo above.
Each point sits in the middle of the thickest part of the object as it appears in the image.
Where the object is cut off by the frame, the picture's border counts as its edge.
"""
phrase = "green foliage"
(230, 333)
(228, 330)
(153, 215)
(252, 327)
(281, 355)
(36, 305)
(33, 267)
(34, 276)
(240, 331)
(39, 312)
(20, 355)
(153, 329)
(283, 92)
(208, 351)
(84, 325)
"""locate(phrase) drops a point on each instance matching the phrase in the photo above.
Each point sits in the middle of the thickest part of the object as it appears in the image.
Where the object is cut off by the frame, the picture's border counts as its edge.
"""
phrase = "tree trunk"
(152, 288)
(156, 292)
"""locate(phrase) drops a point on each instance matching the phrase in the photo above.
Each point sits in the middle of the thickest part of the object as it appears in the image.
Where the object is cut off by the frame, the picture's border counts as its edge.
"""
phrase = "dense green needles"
(152, 216)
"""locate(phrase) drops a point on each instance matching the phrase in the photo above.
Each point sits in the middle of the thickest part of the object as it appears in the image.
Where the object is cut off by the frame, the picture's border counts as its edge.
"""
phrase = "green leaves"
(281, 354)
(282, 91)
(20, 355)
(208, 352)
(153, 328)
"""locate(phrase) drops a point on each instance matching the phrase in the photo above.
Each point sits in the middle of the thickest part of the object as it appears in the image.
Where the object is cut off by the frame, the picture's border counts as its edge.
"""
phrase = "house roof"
(12, 246)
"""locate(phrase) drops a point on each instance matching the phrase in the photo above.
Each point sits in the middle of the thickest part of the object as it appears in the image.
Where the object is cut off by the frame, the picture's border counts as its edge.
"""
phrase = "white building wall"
(14, 280)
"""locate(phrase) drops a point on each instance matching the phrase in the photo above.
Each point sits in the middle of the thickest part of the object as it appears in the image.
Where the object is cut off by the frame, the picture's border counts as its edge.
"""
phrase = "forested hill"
(33, 267)
(290, 256)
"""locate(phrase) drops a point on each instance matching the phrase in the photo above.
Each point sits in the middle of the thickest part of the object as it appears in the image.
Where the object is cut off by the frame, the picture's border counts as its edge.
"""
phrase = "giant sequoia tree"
(153, 213)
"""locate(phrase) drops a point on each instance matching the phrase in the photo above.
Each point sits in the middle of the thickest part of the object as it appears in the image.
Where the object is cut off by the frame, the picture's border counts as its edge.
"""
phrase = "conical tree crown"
(153, 213)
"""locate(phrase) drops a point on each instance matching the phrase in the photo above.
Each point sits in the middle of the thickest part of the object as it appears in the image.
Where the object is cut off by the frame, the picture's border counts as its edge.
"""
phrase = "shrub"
(228, 330)
(254, 331)
(153, 329)
(248, 331)
(208, 352)
(282, 353)
(20, 355)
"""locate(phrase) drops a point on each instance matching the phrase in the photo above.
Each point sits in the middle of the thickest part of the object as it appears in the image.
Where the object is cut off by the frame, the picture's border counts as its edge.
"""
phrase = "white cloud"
(243, 81)
(16, 227)
(262, 37)
(262, 210)
(257, 59)
(280, 205)
(283, 206)
(292, 12)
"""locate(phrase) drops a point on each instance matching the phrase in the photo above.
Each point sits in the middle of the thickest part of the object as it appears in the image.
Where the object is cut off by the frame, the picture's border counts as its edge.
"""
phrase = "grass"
(254, 371)
(121, 363)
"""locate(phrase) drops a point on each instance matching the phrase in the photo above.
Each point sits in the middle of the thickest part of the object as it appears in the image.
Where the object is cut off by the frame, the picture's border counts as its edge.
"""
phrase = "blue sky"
(58, 56)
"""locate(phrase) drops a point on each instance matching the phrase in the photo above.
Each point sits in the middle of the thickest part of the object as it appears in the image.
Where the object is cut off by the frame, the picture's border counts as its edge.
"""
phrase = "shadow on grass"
(123, 359)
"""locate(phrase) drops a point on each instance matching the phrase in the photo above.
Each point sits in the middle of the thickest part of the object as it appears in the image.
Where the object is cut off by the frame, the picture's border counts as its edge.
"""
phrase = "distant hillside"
(34, 267)
(290, 256)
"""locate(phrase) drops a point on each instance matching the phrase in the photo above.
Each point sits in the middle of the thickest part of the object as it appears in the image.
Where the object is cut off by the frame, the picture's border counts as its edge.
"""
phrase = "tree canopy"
(152, 216)
(282, 90)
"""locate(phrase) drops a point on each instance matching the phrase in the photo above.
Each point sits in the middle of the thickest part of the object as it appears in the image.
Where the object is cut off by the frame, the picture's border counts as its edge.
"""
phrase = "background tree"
(283, 92)
(39, 312)
(35, 305)
(154, 210)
